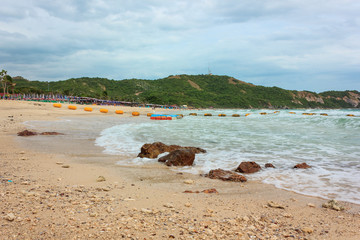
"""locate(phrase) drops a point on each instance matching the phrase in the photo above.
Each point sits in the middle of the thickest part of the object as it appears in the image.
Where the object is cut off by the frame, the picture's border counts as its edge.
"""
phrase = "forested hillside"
(192, 90)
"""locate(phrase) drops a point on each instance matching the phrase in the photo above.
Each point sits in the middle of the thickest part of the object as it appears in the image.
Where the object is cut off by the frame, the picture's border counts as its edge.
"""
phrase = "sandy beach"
(53, 196)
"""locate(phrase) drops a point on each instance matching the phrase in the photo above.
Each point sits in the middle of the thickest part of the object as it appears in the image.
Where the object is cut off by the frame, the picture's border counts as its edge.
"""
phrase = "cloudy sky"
(292, 44)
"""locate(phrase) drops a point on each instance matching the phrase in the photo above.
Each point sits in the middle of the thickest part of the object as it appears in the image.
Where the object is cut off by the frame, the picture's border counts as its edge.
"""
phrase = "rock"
(65, 166)
(187, 204)
(101, 179)
(145, 210)
(269, 165)
(181, 157)
(287, 215)
(225, 175)
(109, 209)
(189, 181)
(302, 165)
(23, 159)
(168, 205)
(189, 191)
(333, 204)
(311, 205)
(92, 214)
(274, 205)
(211, 190)
(26, 133)
(51, 133)
(106, 189)
(248, 167)
(59, 163)
(10, 217)
(307, 230)
(154, 149)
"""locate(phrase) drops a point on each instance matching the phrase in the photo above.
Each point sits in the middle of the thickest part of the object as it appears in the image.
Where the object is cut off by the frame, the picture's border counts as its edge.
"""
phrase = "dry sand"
(40, 199)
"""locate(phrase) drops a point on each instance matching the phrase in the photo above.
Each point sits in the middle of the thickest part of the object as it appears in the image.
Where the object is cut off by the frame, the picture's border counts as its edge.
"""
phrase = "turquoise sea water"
(330, 144)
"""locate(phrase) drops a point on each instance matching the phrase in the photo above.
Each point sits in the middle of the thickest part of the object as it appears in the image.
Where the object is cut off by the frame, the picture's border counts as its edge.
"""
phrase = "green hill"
(192, 90)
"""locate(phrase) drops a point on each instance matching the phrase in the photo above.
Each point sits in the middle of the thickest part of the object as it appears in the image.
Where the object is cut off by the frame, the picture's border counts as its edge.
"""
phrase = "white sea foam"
(330, 144)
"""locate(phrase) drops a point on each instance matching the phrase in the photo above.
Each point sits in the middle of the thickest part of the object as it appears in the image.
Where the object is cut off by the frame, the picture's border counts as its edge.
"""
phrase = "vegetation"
(6, 82)
(191, 90)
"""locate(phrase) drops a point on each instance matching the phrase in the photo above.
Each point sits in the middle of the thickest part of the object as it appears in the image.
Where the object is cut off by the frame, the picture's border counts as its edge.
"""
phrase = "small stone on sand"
(100, 179)
(189, 181)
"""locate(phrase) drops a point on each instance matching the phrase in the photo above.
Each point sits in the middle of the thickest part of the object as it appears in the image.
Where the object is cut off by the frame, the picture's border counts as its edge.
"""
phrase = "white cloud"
(265, 42)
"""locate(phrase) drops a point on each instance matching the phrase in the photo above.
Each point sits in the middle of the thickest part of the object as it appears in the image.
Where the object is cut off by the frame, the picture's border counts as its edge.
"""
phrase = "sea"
(327, 140)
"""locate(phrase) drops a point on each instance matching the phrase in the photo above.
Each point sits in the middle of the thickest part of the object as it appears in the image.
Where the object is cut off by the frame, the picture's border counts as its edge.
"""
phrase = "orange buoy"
(193, 114)
(135, 114)
(72, 107)
(236, 115)
(119, 111)
(222, 115)
(104, 110)
(208, 114)
(292, 112)
(149, 114)
(88, 109)
(57, 105)
(247, 114)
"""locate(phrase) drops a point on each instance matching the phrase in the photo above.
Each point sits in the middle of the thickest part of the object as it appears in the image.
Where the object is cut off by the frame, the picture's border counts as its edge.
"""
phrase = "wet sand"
(40, 199)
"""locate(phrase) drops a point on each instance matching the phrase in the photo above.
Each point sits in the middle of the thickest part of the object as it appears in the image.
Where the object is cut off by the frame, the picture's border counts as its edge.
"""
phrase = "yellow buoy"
(57, 105)
(350, 115)
(324, 114)
(119, 111)
(104, 110)
(88, 109)
(72, 107)
(135, 114)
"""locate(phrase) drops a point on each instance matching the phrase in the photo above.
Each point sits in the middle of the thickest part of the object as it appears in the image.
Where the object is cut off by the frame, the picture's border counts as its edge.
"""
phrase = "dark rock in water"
(26, 133)
(248, 167)
(51, 133)
(302, 165)
(181, 157)
(152, 150)
(225, 175)
(269, 165)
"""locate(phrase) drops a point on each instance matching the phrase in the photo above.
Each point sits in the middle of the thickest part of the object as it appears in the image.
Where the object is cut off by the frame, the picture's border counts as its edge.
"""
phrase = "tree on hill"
(6, 81)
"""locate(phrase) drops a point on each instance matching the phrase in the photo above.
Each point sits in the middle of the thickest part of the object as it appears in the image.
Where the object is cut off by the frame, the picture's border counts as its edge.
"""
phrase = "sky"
(292, 44)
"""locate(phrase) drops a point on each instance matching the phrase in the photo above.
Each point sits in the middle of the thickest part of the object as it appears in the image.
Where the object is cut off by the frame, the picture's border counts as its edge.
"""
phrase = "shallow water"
(330, 144)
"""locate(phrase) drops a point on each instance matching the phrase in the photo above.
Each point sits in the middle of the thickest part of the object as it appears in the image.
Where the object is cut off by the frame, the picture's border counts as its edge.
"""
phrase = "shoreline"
(136, 202)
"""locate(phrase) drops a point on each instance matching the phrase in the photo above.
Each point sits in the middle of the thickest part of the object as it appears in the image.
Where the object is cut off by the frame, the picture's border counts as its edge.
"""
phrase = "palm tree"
(9, 83)
(4, 80)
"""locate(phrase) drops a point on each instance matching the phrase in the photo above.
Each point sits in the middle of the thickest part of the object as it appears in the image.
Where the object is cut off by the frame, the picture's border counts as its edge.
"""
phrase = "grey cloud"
(285, 41)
